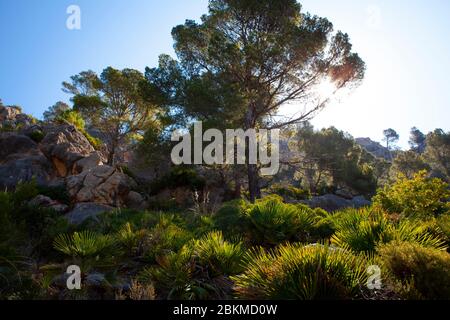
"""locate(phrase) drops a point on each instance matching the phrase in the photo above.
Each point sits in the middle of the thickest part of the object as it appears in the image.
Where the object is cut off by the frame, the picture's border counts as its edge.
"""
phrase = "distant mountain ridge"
(374, 148)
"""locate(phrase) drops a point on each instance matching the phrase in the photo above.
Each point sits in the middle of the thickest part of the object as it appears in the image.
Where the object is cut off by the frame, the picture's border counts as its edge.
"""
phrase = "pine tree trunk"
(253, 182)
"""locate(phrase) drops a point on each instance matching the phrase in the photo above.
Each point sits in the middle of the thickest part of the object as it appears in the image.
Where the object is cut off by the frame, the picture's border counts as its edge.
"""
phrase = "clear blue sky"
(406, 45)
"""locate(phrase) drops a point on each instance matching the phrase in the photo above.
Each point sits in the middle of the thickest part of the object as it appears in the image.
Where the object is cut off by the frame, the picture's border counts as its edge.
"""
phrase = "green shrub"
(131, 241)
(95, 142)
(418, 197)
(361, 230)
(88, 249)
(218, 255)
(113, 221)
(273, 222)
(323, 228)
(166, 237)
(301, 273)
(178, 177)
(290, 192)
(73, 117)
(424, 273)
(58, 193)
(25, 191)
(230, 219)
(173, 277)
(443, 224)
(37, 136)
(198, 270)
(6, 210)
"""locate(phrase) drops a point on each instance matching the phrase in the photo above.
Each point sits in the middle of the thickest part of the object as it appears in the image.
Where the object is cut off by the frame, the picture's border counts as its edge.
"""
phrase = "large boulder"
(84, 211)
(101, 184)
(64, 145)
(332, 202)
(46, 202)
(21, 160)
(95, 159)
(11, 143)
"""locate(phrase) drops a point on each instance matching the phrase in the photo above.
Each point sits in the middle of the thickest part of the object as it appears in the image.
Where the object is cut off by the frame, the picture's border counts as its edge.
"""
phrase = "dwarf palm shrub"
(222, 257)
(362, 230)
(88, 249)
(173, 276)
(198, 270)
(423, 272)
(272, 221)
(164, 238)
(130, 240)
(230, 219)
(301, 272)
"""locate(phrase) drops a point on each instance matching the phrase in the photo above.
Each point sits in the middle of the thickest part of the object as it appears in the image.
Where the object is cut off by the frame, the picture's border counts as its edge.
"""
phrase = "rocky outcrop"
(21, 160)
(101, 184)
(374, 148)
(64, 145)
(9, 113)
(95, 159)
(61, 153)
(46, 202)
(332, 202)
(12, 118)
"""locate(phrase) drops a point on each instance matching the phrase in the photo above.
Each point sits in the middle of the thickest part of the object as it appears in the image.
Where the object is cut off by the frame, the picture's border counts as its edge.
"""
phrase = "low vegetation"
(266, 250)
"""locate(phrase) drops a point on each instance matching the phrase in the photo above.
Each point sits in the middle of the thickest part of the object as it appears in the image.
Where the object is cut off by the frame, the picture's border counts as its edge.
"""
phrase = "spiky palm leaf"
(301, 272)
(361, 230)
(84, 244)
(219, 255)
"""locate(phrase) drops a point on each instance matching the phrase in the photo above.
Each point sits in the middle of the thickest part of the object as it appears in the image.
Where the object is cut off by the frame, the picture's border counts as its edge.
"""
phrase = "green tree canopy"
(117, 103)
(437, 152)
(55, 111)
(246, 59)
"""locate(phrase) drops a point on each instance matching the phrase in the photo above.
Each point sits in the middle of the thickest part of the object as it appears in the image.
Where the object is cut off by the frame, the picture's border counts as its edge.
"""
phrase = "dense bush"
(362, 230)
(88, 249)
(290, 192)
(178, 177)
(218, 255)
(37, 136)
(273, 222)
(180, 255)
(423, 273)
(419, 197)
(302, 272)
(164, 238)
(199, 270)
(270, 221)
(75, 118)
(231, 217)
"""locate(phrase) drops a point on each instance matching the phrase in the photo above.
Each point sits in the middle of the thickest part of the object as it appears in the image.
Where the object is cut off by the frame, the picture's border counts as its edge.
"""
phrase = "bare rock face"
(9, 113)
(21, 160)
(90, 162)
(374, 148)
(102, 184)
(65, 145)
(12, 118)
